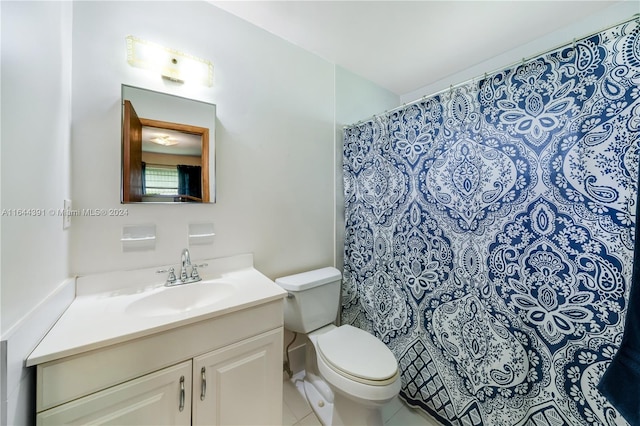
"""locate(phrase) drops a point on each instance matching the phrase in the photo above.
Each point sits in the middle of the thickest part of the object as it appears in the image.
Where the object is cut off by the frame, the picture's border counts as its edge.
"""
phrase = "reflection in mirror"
(167, 148)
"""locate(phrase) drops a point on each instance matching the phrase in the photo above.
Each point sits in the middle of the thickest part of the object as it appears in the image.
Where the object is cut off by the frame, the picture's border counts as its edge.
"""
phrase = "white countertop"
(99, 317)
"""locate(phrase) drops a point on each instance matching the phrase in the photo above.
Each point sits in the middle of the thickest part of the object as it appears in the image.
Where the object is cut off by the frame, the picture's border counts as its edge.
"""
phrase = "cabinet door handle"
(181, 407)
(203, 386)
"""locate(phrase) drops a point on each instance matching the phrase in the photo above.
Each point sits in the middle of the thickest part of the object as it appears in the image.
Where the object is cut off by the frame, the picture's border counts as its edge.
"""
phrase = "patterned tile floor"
(297, 412)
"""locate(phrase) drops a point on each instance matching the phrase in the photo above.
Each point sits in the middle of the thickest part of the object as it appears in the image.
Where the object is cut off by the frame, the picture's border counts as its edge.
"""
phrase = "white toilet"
(349, 374)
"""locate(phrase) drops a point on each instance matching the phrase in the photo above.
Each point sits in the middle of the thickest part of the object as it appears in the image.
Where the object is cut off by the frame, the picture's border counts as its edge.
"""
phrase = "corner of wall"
(356, 98)
(17, 382)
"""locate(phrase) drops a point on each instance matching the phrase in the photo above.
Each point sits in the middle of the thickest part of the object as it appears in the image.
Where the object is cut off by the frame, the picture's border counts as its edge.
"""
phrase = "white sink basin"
(180, 299)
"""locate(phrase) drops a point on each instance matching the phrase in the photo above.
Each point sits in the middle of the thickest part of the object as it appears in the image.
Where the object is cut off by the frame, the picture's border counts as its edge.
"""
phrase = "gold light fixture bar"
(169, 63)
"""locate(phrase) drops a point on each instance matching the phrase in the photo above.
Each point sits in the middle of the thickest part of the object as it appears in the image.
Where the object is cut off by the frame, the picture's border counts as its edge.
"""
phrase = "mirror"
(168, 148)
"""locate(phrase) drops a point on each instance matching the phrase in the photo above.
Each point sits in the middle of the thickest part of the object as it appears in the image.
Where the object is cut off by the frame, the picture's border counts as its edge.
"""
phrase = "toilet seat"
(358, 356)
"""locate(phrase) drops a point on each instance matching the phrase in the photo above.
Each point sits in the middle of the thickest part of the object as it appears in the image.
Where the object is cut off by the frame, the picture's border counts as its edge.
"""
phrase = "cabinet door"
(160, 398)
(240, 384)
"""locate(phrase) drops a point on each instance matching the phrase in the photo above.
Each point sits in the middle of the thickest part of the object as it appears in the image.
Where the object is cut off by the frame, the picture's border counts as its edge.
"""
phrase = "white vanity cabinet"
(145, 380)
(160, 398)
(239, 384)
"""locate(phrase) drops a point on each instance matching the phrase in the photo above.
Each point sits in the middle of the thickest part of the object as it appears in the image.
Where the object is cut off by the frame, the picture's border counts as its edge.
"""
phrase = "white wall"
(616, 13)
(35, 174)
(36, 117)
(274, 139)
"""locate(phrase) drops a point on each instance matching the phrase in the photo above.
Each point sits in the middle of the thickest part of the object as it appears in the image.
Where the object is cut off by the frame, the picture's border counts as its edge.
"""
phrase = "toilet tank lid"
(310, 279)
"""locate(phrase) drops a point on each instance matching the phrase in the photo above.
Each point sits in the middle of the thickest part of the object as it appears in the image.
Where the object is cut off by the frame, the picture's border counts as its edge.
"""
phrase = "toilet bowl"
(349, 374)
(359, 369)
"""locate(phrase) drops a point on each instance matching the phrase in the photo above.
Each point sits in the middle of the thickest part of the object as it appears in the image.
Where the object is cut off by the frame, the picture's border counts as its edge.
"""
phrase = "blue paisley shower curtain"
(490, 232)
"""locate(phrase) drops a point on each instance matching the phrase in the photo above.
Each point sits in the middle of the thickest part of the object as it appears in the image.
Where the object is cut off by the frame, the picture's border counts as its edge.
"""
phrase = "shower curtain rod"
(491, 73)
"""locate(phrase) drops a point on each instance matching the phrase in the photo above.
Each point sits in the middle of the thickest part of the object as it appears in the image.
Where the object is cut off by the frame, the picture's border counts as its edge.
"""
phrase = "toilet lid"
(358, 354)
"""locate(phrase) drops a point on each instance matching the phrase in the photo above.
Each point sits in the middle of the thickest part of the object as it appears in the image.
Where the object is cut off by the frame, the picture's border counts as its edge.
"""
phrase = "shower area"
(489, 235)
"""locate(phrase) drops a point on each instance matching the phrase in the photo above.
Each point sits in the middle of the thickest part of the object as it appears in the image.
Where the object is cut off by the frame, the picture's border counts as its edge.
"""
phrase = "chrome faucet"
(186, 276)
(186, 261)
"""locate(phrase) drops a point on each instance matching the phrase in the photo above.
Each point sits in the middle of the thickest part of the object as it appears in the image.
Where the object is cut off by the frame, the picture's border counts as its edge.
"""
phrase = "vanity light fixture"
(171, 64)
(163, 140)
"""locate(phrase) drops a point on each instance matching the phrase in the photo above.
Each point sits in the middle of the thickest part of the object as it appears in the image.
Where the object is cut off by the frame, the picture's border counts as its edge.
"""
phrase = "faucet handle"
(172, 274)
(194, 270)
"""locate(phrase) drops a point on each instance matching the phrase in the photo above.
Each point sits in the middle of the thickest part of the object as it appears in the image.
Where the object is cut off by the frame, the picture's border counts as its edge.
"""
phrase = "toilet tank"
(313, 299)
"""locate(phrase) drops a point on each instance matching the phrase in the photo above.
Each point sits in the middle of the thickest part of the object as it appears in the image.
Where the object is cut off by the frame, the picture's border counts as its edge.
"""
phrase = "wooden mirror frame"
(132, 153)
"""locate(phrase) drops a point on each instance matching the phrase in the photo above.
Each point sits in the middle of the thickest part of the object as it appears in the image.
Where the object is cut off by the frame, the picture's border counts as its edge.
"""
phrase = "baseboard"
(3, 382)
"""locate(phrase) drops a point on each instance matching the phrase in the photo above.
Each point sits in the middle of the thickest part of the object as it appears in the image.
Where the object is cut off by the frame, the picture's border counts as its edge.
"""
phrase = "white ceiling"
(406, 45)
(185, 143)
